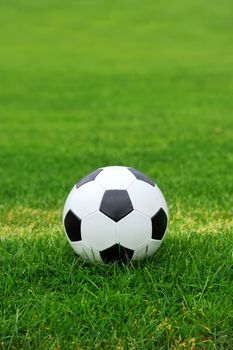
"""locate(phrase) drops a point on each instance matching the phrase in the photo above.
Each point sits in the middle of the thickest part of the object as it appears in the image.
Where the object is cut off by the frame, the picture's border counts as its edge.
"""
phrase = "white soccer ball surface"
(115, 213)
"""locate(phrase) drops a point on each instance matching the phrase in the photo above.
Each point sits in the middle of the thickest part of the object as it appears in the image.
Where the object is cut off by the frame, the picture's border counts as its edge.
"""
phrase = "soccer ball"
(115, 213)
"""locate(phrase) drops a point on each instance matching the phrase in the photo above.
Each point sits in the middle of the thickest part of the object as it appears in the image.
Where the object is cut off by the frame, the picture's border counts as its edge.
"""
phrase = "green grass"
(85, 84)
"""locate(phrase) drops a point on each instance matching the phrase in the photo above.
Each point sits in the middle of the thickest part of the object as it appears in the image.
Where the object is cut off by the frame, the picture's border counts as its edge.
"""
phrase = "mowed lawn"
(86, 84)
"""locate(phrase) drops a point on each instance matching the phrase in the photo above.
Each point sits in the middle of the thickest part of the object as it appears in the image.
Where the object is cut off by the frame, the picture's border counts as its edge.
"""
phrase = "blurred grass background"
(91, 83)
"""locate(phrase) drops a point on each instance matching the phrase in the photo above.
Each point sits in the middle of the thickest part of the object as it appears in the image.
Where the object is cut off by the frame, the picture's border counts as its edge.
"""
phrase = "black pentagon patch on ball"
(141, 176)
(159, 224)
(72, 225)
(116, 253)
(88, 178)
(116, 204)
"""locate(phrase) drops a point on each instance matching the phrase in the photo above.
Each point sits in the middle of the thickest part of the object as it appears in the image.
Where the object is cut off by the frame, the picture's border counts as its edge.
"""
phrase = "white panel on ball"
(145, 198)
(115, 178)
(85, 252)
(68, 202)
(147, 250)
(86, 199)
(134, 230)
(164, 204)
(98, 231)
(153, 246)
